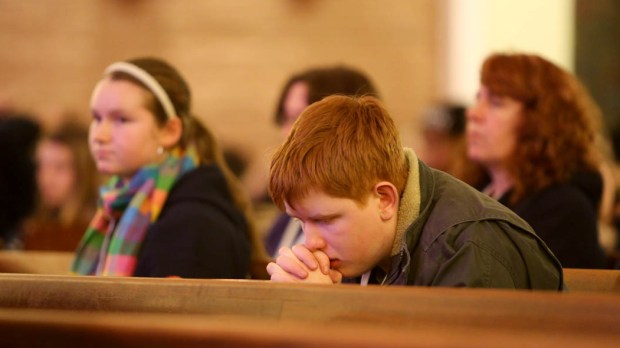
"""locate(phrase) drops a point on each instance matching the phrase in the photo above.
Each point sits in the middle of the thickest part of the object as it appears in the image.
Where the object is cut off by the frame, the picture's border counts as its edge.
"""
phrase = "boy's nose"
(313, 239)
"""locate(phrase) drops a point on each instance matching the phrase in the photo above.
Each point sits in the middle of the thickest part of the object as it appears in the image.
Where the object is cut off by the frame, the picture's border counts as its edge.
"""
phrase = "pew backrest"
(592, 280)
(36, 262)
(382, 306)
(36, 328)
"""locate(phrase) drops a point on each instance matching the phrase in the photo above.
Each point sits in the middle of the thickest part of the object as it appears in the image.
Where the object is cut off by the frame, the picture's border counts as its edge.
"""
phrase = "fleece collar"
(409, 207)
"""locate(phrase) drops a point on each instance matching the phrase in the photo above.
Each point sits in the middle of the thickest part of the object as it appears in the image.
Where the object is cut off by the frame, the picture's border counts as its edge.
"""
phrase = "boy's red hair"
(342, 146)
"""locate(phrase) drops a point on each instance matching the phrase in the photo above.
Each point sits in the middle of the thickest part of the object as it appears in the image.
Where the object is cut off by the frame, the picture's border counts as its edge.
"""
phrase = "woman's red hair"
(556, 136)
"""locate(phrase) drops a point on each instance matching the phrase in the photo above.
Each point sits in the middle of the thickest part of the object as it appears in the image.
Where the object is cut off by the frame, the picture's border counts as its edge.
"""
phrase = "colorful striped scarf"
(112, 242)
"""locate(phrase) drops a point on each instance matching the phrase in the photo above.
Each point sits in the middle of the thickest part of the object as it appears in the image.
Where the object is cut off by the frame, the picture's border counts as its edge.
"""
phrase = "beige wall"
(236, 54)
(476, 28)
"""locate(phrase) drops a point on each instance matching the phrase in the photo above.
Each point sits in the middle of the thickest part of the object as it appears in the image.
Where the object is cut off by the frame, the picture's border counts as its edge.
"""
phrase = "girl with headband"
(172, 206)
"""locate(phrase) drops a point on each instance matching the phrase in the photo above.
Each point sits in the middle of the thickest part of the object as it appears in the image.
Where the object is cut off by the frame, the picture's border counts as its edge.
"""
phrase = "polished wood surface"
(36, 328)
(592, 280)
(189, 312)
(381, 306)
(46, 262)
(37, 262)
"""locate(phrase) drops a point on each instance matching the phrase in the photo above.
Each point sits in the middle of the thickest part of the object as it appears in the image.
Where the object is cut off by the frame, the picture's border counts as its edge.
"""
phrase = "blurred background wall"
(475, 28)
(237, 54)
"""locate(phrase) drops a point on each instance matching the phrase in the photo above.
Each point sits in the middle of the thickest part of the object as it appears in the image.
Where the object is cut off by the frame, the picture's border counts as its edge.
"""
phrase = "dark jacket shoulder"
(464, 238)
(200, 232)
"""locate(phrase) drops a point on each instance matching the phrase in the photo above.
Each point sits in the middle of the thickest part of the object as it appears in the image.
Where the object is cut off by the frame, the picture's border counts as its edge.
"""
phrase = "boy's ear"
(388, 199)
(171, 133)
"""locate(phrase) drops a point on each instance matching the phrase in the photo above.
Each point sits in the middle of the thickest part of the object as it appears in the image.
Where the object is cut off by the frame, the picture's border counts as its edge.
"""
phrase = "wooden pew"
(597, 280)
(36, 328)
(46, 262)
(535, 312)
(37, 262)
(58, 262)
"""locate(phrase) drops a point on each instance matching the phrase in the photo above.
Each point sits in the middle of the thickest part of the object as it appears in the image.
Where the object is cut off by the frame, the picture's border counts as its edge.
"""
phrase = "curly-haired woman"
(533, 128)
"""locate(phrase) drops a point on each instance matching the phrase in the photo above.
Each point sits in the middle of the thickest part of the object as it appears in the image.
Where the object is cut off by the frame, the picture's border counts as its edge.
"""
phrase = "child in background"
(67, 182)
(172, 207)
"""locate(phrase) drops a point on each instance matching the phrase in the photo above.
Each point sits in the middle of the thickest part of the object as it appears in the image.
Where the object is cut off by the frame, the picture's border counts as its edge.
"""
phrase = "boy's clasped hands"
(298, 264)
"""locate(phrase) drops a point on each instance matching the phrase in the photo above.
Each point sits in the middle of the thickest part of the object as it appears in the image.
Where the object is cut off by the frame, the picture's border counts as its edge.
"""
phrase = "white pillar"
(475, 28)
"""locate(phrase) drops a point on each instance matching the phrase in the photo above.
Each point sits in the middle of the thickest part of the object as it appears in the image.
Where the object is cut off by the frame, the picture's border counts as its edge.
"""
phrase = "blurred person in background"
(172, 207)
(19, 134)
(443, 142)
(67, 183)
(533, 127)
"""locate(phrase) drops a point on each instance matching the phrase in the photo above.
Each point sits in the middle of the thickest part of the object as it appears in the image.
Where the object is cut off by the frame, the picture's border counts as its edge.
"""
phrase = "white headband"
(149, 81)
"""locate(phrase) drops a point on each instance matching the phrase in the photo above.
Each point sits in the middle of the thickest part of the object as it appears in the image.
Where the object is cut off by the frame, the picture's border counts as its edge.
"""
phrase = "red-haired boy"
(373, 213)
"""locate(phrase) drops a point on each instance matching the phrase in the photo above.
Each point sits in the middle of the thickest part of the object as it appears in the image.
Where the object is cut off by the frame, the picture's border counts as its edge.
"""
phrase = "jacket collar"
(413, 200)
(413, 211)
(409, 205)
